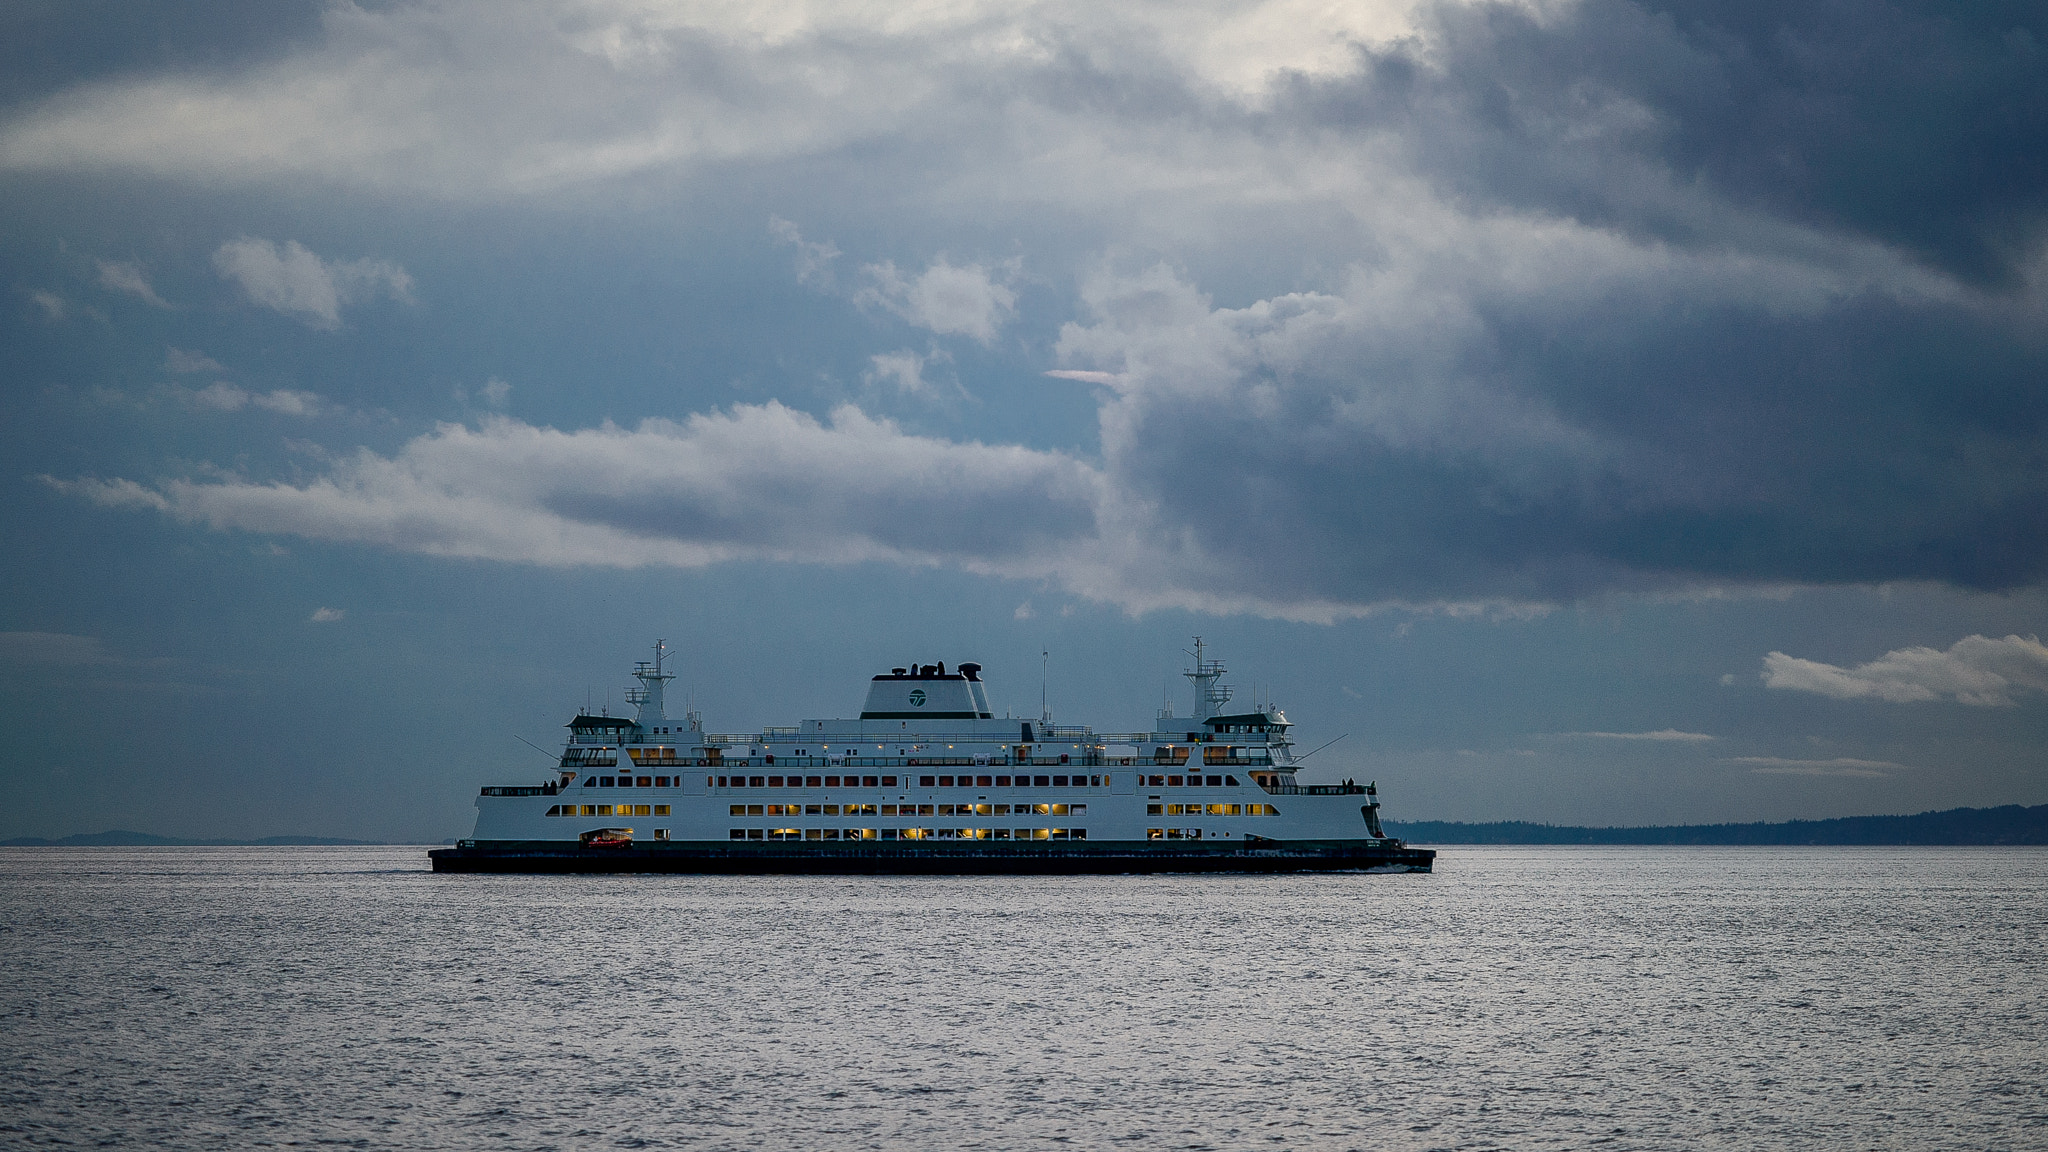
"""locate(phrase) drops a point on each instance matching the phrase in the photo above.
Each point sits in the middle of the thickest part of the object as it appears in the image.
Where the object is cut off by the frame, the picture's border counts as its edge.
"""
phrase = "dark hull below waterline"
(821, 859)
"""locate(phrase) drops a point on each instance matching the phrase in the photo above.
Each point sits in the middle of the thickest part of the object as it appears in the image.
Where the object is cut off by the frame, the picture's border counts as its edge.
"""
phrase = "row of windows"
(609, 810)
(922, 781)
(1190, 781)
(627, 782)
(1211, 810)
(908, 834)
(1173, 833)
(909, 809)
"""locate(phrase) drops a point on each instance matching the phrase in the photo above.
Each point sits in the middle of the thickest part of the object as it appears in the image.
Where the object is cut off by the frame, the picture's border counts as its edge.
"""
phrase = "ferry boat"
(928, 780)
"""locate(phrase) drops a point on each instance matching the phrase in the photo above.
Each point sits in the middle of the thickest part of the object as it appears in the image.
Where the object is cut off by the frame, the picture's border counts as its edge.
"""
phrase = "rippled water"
(1628, 997)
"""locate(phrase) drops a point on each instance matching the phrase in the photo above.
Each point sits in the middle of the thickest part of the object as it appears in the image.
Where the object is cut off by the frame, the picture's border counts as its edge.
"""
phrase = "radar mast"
(647, 697)
(1210, 693)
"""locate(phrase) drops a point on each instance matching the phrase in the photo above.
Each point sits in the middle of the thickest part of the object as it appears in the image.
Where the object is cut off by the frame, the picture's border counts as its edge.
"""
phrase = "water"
(1519, 998)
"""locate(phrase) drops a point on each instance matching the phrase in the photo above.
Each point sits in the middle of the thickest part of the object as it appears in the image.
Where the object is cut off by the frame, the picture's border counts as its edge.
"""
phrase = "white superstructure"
(926, 760)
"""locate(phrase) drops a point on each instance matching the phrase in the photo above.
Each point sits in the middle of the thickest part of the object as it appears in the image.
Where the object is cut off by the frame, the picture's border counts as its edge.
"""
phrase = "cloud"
(1974, 670)
(949, 300)
(1661, 736)
(904, 371)
(1473, 305)
(1839, 766)
(284, 401)
(813, 258)
(292, 280)
(127, 276)
(52, 305)
(495, 392)
(759, 482)
(326, 615)
(181, 361)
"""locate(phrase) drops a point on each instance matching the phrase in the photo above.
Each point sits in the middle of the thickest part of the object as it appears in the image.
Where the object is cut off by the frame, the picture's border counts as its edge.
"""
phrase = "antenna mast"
(652, 679)
(1210, 695)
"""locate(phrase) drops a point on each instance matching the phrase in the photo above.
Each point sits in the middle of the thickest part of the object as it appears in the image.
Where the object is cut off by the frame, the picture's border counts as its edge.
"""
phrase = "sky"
(1581, 411)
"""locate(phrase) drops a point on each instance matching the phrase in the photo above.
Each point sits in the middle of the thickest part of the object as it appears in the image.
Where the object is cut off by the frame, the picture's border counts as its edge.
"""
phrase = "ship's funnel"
(923, 692)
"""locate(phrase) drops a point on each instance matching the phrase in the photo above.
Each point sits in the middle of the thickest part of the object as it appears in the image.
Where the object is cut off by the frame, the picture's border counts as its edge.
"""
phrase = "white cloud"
(293, 280)
(904, 370)
(52, 305)
(1974, 670)
(948, 299)
(1023, 611)
(182, 361)
(759, 482)
(483, 97)
(326, 615)
(284, 401)
(1839, 766)
(813, 258)
(1661, 736)
(127, 276)
(495, 392)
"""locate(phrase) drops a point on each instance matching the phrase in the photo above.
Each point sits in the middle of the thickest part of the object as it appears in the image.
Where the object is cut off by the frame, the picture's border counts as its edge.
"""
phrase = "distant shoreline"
(2011, 824)
(122, 838)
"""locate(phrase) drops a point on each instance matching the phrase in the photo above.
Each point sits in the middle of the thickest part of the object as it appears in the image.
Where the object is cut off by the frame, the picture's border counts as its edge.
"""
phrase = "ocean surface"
(1653, 998)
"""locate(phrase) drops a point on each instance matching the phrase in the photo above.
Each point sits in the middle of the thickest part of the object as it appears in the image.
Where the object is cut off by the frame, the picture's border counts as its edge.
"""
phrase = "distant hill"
(2011, 824)
(124, 839)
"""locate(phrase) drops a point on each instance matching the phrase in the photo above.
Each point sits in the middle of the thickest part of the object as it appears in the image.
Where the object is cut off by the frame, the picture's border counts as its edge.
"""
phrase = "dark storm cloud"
(1920, 126)
(50, 44)
(1823, 365)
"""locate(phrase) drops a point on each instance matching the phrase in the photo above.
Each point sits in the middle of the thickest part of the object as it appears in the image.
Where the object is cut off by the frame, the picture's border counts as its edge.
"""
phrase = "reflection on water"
(1635, 997)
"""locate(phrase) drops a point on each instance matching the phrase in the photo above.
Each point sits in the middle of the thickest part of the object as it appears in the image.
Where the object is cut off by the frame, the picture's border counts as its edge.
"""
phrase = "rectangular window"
(1154, 810)
(590, 810)
(661, 781)
(866, 782)
(831, 781)
(753, 810)
(738, 810)
(1002, 782)
(922, 810)
(927, 781)
(1058, 810)
(1059, 781)
(1042, 781)
(831, 809)
(945, 781)
(661, 809)
(645, 781)
(1232, 809)
(888, 809)
(776, 781)
(888, 781)
(737, 834)
(605, 782)
(888, 833)
(984, 781)
(604, 809)
(1155, 833)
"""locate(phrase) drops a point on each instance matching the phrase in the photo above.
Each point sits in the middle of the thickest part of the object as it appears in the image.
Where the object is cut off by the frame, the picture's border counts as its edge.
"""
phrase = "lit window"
(753, 810)
(738, 810)
(922, 810)
(590, 809)
(641, 810)
(1155, 833)
(604, 809)
(661, 809)
(1155, 809)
